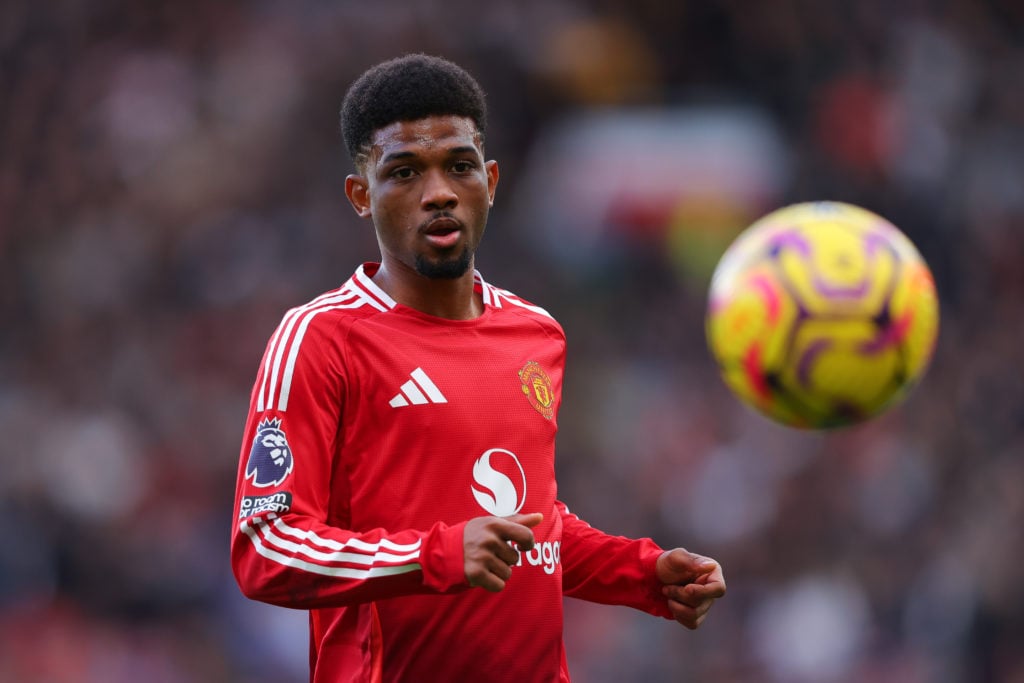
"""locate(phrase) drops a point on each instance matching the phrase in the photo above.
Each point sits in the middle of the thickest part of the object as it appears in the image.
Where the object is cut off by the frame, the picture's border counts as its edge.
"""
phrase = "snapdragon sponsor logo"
(546, 555)
(499, 482)
(499, 487)
(256, 505)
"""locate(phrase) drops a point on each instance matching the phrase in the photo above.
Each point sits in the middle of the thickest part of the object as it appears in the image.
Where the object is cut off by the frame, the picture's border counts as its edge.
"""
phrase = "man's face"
(428, 189)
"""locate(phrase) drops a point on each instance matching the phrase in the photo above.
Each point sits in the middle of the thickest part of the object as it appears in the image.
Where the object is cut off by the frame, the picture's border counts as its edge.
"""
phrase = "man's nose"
(438, 192)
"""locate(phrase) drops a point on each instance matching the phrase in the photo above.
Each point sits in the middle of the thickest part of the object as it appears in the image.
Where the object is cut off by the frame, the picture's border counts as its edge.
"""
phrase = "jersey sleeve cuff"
(442, 559)
(649, 555)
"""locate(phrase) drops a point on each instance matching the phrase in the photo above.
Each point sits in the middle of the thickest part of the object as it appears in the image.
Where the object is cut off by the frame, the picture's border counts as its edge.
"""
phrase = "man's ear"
(491, 167)
(358, 192)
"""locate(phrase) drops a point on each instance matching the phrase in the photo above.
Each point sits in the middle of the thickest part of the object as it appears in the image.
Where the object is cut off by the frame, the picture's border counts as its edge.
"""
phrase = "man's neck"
(452, 299)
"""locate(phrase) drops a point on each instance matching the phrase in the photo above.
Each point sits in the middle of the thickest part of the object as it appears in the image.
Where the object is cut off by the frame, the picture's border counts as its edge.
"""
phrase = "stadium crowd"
(171, 182)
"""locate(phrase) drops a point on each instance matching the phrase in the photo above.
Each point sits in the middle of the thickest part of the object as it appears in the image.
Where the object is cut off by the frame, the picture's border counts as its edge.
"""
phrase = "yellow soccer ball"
(821, 315)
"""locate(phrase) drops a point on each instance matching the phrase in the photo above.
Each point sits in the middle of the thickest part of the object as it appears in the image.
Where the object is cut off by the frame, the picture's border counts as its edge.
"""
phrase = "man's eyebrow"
(402, 155)
(394, 156)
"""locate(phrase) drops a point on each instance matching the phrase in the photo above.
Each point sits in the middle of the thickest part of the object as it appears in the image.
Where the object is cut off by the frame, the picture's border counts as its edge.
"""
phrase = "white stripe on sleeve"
(313, 568)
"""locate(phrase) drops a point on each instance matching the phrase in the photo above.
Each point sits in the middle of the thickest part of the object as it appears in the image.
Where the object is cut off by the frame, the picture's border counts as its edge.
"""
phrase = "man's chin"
(444, 268)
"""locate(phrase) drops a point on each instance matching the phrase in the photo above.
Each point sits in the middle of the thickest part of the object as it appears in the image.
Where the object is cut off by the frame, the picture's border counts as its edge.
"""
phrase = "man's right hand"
(487, 554)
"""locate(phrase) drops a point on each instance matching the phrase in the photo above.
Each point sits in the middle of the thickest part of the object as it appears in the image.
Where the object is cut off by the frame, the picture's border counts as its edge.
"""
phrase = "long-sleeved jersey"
(375, 432)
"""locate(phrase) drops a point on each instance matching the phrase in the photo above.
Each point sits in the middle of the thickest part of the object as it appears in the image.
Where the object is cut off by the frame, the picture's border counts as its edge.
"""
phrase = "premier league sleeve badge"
(270, 458)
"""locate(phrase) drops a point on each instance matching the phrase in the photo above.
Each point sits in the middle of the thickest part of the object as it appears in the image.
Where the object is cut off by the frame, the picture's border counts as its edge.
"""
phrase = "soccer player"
(397, 474)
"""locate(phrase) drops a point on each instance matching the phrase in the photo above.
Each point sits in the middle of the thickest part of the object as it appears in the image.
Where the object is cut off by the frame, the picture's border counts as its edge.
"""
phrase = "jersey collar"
(363, 278)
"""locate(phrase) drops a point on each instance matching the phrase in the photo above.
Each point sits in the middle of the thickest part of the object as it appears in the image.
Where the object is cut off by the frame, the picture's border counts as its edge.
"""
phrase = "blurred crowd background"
(171, 181)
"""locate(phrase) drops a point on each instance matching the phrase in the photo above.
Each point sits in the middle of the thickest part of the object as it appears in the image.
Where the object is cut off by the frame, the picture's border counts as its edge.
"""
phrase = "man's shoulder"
(508, 302)
(334, 308)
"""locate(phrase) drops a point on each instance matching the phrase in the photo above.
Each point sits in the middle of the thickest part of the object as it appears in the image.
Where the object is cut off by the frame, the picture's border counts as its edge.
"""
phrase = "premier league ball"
(822, 315)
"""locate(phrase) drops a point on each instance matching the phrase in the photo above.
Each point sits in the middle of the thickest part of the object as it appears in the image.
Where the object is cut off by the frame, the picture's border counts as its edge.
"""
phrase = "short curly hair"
(408, 88)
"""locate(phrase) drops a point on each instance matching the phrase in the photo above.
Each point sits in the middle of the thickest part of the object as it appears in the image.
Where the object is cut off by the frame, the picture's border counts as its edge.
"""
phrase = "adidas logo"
(417, 391)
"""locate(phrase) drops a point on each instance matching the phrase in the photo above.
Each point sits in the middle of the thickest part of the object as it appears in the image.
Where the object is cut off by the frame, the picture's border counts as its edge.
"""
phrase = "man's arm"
(637, 573)
(294, 561)
(289, 546)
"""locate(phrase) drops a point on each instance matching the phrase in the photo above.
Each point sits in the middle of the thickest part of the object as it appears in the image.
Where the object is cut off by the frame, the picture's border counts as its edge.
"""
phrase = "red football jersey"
(374, 433)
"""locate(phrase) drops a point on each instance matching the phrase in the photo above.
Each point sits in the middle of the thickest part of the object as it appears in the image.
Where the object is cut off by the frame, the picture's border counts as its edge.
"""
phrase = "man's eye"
(463, 166)
(402, 173)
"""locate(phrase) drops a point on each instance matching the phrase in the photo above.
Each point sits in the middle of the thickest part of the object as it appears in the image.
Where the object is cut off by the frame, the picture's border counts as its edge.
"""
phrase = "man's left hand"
(692, 583)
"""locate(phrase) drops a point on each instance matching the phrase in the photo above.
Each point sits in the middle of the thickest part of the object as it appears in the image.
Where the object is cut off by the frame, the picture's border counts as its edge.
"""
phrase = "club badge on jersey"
(537, 386)
(270, 458)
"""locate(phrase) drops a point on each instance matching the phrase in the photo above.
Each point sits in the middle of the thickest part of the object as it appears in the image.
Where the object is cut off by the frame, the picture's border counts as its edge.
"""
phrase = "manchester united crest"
(537, 386)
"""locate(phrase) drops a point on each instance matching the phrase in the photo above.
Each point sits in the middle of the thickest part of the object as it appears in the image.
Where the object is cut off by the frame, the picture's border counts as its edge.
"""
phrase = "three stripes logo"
(417, 391)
